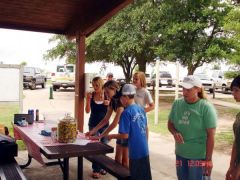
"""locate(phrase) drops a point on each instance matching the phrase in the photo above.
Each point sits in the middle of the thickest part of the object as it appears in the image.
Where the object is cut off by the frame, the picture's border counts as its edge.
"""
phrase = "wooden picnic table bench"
(10, 170)
(111, 166)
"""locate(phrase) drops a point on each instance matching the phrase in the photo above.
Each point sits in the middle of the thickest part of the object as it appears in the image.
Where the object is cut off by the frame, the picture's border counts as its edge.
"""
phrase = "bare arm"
(231, 169)
(114, 123)
(177, 136)
(233, 155)
(150, 107)
(210, 143)
(88, 101)
(117, 136)
(209, 150)
(102, 123)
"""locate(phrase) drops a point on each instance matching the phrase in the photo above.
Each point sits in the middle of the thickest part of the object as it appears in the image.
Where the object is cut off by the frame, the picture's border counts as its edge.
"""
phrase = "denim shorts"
(122, 142)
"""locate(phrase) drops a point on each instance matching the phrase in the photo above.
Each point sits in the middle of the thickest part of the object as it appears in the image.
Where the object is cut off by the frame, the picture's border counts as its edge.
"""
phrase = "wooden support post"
(79, 81)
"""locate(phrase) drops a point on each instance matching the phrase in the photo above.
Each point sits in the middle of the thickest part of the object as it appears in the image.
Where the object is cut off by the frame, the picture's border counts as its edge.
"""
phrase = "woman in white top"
(142, 96)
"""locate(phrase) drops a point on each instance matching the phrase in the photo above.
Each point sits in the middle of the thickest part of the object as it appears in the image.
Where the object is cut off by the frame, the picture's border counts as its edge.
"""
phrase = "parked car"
(220, 81)
(32, 77)
(207, 82)
(121, 81)
(63, 77)
(148, 79)
(165, 79)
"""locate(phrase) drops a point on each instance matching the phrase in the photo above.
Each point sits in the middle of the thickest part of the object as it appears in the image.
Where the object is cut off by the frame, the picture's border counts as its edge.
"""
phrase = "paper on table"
(82, 142)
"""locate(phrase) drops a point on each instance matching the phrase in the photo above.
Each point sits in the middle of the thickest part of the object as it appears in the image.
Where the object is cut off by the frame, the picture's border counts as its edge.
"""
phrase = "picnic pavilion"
(74, 18)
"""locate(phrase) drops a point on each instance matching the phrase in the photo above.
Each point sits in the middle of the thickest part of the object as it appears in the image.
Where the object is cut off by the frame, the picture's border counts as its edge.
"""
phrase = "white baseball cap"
(191, 81)
(128, 89)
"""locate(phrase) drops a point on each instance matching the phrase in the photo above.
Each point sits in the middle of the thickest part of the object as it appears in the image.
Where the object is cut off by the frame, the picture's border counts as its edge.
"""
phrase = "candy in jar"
(67, 130)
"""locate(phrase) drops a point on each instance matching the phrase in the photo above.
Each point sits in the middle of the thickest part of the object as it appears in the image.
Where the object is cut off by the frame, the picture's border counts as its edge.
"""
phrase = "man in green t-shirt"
(192, 121)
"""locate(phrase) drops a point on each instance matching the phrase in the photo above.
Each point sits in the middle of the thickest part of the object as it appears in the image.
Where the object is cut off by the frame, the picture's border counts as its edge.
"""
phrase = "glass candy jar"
(67, 130)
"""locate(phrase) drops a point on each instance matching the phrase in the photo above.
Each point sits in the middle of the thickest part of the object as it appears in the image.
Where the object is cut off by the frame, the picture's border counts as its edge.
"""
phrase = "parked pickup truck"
(63, 77)
(32, 77)
(220, 81)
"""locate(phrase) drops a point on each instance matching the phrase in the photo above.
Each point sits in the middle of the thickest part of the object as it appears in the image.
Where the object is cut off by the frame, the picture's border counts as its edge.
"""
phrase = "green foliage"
(194, 33)
(64, 49)
(231, 74)
(23, 63)
(126, 40)
(232, 26)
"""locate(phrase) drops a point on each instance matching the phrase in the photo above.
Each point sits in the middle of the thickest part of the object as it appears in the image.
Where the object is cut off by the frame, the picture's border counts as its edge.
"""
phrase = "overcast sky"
(18, 46)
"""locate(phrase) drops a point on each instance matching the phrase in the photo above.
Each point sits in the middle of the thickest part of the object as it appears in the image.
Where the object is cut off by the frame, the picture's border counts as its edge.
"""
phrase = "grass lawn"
(7, 111)
(161, 127)
(231, 100)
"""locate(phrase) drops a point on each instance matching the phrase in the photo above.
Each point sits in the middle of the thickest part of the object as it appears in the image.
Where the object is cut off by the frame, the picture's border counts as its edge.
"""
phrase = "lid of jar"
(68, 118)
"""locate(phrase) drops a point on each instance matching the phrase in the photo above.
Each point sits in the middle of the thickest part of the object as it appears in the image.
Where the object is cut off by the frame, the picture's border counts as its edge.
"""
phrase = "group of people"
(130, 103)
(192, 122)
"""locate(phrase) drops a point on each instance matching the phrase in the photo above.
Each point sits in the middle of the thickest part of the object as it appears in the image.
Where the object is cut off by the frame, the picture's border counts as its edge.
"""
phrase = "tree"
(194, 32)
(64, 49)
(126, 40)
(23, 63)
(232, 26)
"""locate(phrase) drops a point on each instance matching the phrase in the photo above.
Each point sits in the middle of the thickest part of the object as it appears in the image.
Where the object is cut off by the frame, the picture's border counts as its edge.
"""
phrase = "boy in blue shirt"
(132, 126)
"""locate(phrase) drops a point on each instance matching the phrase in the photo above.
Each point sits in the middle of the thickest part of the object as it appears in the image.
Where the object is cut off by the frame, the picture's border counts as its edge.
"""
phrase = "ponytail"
(202, 94)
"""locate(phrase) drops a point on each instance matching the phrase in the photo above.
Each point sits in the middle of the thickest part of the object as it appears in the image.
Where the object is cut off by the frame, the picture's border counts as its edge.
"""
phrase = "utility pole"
(177, 80)
(156, 91)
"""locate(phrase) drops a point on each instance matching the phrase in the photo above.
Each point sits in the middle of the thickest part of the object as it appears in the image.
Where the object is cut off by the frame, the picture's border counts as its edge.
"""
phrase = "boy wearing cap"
(192, 122)
(132, 126)
(109, 76)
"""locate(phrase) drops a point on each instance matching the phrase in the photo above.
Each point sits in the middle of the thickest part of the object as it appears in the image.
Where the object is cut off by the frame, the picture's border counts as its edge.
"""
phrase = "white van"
(63, 77)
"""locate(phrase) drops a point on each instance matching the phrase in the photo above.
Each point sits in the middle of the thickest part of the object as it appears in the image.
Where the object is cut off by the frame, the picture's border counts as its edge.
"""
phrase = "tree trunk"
(128, 64)
(191, 70)
(141, 62)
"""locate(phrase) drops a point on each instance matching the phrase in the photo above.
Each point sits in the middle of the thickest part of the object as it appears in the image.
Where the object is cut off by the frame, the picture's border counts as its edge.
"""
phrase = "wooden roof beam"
(94, 24)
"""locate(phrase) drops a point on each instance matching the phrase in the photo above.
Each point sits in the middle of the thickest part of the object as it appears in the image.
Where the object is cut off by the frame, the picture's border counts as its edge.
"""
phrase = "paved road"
(161, 148)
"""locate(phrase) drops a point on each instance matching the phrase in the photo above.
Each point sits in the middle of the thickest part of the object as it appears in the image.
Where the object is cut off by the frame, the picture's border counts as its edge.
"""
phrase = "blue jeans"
(189, 169)
(95, 167)
(140, 169)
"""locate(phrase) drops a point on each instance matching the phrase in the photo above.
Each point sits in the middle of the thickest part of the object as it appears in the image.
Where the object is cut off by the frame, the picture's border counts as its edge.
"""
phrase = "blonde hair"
(202, 94)
(142, 78)
(98, 81)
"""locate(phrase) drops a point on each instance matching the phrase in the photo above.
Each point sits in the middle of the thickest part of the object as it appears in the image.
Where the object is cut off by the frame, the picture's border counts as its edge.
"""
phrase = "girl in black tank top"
(96, 103)
(113, 92)
(98, 111)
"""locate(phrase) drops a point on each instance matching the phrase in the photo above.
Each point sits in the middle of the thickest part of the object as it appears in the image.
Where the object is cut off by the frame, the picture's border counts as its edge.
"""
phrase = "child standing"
(96, 103)
(142, 96)
(133, 126)
(112, 90)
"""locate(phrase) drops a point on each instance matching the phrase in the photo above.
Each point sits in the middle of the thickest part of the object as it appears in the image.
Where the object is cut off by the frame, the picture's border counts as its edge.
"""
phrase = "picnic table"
(37, 144)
